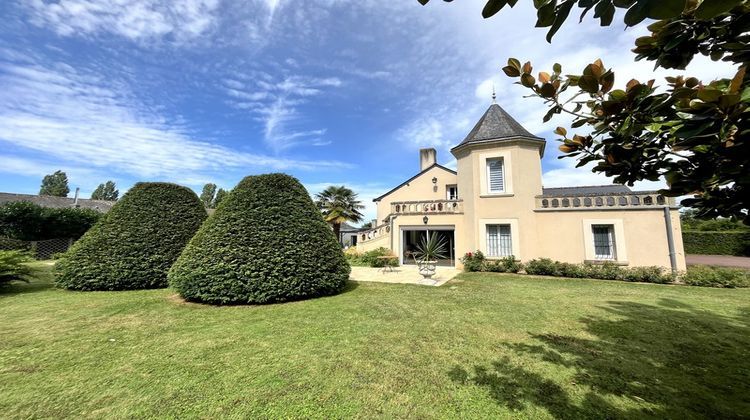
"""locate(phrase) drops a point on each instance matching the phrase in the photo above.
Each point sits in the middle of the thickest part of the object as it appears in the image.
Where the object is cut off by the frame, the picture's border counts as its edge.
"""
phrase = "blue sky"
(330, 91)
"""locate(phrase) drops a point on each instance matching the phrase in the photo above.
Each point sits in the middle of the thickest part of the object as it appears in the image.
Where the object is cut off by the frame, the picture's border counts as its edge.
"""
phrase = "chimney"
(75, 199)
(374, 222)
(427, 158)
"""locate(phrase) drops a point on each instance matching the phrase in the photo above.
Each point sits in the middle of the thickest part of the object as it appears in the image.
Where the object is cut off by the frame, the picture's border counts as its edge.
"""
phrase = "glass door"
(412, 238)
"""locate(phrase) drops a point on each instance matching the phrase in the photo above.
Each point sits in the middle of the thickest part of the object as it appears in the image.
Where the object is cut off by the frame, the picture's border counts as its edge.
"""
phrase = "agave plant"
(431, 249)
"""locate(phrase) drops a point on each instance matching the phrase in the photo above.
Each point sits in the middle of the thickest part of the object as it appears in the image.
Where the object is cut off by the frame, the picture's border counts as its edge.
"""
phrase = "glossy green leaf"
(712, 8)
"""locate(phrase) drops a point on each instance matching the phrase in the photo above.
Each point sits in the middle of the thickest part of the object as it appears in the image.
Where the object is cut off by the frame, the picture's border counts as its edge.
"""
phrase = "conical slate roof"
(496, 124)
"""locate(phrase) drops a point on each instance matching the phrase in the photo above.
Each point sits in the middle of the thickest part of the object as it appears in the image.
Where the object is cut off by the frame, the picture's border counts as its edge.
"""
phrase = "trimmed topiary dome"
(267, 242)
(136, 242)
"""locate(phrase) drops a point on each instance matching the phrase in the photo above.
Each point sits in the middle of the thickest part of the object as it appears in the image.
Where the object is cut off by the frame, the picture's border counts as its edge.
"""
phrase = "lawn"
(482, 346)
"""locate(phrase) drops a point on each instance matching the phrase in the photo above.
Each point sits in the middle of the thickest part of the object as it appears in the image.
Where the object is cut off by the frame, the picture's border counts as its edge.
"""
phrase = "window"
(604, 242)
(498, 241)
(495, 176)
(451, 192)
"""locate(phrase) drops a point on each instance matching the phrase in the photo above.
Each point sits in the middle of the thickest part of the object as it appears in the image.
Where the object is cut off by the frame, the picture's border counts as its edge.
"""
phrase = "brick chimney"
(427, 158)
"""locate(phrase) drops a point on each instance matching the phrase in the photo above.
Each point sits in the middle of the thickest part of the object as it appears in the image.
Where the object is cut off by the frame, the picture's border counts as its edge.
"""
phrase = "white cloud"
(82, 120)
(137, 20)
(276, 103)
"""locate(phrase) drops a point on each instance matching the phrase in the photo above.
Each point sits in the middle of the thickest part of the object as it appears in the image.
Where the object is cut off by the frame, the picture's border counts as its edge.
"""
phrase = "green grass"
(482, 346)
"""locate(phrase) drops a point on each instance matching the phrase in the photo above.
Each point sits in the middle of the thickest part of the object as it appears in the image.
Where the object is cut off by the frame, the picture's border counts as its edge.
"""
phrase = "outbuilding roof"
(57, 202)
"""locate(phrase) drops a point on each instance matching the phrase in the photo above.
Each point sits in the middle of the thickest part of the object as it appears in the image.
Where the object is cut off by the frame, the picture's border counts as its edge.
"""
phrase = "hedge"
(27, 221)
(267, 242)
(717, 243)
(135, 244)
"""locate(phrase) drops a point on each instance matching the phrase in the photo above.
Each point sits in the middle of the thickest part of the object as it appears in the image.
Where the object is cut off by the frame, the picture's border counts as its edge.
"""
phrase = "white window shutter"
(495, 176)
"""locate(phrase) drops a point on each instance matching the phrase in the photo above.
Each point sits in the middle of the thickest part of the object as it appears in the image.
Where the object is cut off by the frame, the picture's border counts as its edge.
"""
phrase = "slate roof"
(496, 124)
(585, 190)
(56, 202)
(346, 227)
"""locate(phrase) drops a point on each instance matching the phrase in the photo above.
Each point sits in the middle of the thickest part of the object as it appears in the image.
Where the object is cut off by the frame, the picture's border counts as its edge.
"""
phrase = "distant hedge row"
(716, 243)
(27, 221)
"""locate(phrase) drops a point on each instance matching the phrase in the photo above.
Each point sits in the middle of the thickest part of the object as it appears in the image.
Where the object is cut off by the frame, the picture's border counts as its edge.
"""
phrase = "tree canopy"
(106, 191)
(693, 133)
(55, 184)
(339, 205)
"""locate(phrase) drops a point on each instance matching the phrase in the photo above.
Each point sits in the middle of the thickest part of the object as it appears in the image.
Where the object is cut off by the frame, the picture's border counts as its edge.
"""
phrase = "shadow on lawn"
(671, 359)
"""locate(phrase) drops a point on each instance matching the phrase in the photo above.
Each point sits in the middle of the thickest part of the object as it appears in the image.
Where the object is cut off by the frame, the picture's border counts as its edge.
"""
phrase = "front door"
(412, 237)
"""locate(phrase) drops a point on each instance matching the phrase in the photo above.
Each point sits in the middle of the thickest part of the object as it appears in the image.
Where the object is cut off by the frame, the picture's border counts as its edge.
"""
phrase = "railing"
(428, 207)
(374, 233)
(593, 201)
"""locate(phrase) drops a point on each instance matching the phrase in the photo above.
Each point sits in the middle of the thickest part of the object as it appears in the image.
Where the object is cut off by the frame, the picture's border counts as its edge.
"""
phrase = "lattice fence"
(42, 250)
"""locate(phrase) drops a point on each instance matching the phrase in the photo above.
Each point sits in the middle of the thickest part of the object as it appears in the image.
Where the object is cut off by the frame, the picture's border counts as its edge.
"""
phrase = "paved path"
(720, 260)
(404, 274)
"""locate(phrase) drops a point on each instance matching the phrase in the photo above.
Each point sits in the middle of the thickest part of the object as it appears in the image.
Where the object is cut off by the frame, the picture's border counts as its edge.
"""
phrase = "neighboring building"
(348, 235)
(494, 202)
(57, 202)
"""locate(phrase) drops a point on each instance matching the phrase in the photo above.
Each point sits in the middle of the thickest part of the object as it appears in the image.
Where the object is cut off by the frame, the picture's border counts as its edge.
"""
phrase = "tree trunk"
(337, 231)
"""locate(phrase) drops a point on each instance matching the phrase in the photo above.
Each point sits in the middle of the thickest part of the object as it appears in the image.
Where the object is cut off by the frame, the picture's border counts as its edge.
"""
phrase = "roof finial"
(493, 94)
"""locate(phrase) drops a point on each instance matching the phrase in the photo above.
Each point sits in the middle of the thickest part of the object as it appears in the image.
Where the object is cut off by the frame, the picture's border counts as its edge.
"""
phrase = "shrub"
(575, 271)
(10, 244)
(701, 275)
(494, 266)
(541, 267)
(13, 267)
(370, 258)
(473, 261)
(717, 243)
(652, 274)
(354, 258)
(27, 221)
(267, 242)
(135, 244)
(606, 271)
(511, 265)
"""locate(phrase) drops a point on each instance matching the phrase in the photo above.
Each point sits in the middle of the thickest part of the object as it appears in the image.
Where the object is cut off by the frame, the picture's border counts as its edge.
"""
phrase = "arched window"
(555, 203)
(545, 203)
(576, 202)
(587, 202)
(623, 201)
(565, 202)
(599, 201)
(648, 200)
(635, 200)
(660, 200)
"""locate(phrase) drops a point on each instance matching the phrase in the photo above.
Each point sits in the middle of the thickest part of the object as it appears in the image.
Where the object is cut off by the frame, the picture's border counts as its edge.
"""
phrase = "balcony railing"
(374, 233)
(593, 201)
(428, 207)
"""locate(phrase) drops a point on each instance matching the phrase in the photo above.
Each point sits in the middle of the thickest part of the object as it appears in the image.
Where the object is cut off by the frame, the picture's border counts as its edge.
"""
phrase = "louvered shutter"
(495, 178)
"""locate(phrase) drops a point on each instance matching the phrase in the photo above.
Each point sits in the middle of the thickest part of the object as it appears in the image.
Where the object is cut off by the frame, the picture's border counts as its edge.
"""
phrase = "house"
(495, 202)
(348, 235)
(57, 202)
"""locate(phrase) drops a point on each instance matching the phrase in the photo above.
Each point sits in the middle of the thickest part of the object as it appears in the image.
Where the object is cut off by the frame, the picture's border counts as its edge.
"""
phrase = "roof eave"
(534, 140)
(375, 200)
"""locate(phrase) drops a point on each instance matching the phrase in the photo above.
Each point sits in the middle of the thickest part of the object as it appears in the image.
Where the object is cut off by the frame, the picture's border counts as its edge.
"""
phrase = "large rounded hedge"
(267, 242)
(134, 245)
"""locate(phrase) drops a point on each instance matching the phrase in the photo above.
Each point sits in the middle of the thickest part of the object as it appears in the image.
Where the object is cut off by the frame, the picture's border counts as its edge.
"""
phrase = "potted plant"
(427, 254)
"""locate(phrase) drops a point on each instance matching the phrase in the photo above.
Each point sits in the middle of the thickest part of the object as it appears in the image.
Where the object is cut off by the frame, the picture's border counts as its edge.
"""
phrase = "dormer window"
(451, 192)
(495, 176)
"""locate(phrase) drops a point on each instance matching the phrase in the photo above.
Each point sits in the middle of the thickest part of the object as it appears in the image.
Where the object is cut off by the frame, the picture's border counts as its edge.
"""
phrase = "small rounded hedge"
(134, 245)
(267, 242)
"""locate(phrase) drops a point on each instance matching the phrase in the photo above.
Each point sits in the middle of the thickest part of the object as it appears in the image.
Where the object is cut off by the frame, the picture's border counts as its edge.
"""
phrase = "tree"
(221, 193)
(694, 133)
(266, 243)
(136, 243)
(106, 191)
(339, 205)
(55, 184)
(207, 195)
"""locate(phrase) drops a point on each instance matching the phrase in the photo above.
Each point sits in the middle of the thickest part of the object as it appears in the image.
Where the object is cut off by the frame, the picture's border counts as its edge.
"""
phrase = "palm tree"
(339, 205)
